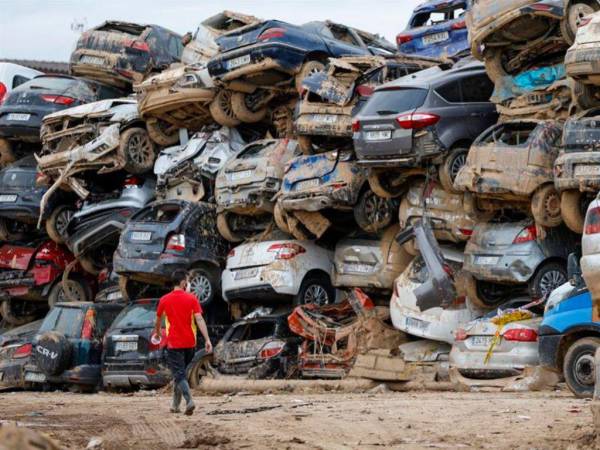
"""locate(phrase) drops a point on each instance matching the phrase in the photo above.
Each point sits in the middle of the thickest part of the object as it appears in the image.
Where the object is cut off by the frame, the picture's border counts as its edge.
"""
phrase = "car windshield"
(67, 321)
(50, 83)
(139, 315)
(17, 179)
(394, 101)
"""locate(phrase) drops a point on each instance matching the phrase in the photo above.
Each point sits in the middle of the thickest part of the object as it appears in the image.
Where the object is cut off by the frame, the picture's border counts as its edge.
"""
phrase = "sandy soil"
(315, 421)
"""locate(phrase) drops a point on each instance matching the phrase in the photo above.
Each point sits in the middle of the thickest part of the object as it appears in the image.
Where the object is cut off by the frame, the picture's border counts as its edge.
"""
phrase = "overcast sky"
(41, 29)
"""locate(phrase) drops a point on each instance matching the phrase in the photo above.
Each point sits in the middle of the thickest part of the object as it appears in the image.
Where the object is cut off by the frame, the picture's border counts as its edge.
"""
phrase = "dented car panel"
(15, 354)
(581, 59)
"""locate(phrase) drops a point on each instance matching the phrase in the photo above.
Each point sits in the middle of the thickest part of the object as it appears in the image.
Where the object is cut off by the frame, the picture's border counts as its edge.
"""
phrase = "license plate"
(435, 38)
(95, 60)
(582, 171)
(246, 273)
(378, 135)
(481, 341)
(240, 175)
(487, 260)
(126, 346)
(307, 184)
(325, 118)
(419, 324)
(8, 198)
(35, 377)
(141, 235)
(19, 117)
(359, 268)
(114, 296)
(237, 62)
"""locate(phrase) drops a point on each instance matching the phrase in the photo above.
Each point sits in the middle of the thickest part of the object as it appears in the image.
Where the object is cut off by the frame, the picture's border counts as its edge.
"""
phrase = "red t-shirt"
(179, 307)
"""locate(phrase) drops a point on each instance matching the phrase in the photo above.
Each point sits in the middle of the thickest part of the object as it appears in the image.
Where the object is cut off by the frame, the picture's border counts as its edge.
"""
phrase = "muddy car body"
(15, 354)
(430, 117)
(246, 185)
(511, 166)
(187, 172)
(121, 53)
(437, 28)
(169, 235)
(68, 347)
(590, 246)
(512, 35)
(370, 262)
(108, 287)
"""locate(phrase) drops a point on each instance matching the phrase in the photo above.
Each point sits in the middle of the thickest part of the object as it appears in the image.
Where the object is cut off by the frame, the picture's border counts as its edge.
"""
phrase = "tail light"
(88, 325)
(3, 92)
(459, 25)
(364, 91)
(583, 22)
(287, 250)
(23, 351)
(460, 334)
(103, 275)
(58, 99)
(231, 253)
(466, 232)
(138, 45)
(271, 349)
(527, 234)
(152, 347)
(132, 181)
(403, 38)
(592, 221)
(176, 243)
(356, 126)
(416, 121)
(521, 335)
(271, 33)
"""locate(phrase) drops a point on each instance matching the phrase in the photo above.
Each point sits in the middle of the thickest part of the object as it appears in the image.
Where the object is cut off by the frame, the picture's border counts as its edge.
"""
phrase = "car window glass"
(126, 28)
(54, 83)
(67, 321)
(138, 315)
(260, 330)
(253, 151)
(450, 92)
(17, 179)
(430, 18)
(477, 89)
(105, 92)
(175, 47)
(104, 319)
(19, 80)
(394, 101)
(516, 134)
(343, 34)
(160, 214)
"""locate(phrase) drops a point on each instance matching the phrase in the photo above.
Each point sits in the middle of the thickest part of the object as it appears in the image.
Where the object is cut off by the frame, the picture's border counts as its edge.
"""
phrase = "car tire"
(545, 206)
(58, 356)
(575, 12)
(7, 156)
(373, 213)
(476, 294)
(473, 210)
(225, 229)
(137, 149)
(571, 208)
(88, 264)
(8, 235)
(308, 68)
(157, 132)
(280, 218)
(77, 292)
(57, 222)
(241, 109)
(452, 164)
(579, 367)
(221, 110)
(493, 64)
(9, 310)
(305, 145)
(197, 370)
(547, 277)
(383, 189)
(205, 284)
(316, 288)
(585, 95)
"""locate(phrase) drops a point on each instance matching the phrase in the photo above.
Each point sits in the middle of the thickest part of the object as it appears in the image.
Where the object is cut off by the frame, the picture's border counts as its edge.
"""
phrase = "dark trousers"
(177, 360)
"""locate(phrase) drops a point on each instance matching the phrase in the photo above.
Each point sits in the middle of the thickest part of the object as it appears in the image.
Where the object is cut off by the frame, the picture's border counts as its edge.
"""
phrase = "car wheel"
(204, 284)
(473, 210)
(482, 294)
(198, 370)
(545, 206)
(453, 162)
(579, 367)
(493, 64)
(547, 278)
(585, 95)
(315, 289)
(9, 231)
(243, 107)
(221, 111)
(225, 229)
(7, 156)
(373, 213)
(138, 150)
(56, 223)
(308, 68)
(383, 187)
(17, 312)
(573, 207)
(162, 133)
(305, 145)
(572, 20)
(75, 292)
(280, 217)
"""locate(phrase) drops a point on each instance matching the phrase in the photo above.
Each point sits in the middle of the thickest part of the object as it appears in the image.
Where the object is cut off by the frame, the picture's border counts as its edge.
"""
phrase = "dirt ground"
(316, 421)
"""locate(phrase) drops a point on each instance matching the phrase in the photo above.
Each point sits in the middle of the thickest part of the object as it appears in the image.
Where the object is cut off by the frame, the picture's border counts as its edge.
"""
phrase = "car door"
(476, 90)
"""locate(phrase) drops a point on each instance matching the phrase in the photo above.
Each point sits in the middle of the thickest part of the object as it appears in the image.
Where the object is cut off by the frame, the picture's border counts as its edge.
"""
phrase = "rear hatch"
(306, 172)
(361, 256)
(494, 239)
(228, 22)
(582, 133)
(111, 37)
(255, 254)
(247, 35)
(251, 165)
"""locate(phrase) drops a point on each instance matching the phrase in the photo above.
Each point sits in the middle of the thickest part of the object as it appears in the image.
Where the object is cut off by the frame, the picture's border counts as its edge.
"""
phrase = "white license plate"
(325, 118)
(240, 175)
(114, 296)
(419, 324)
(126, 346)
(238, 62)
(8, 198)
(581, 170)
(435, 38)
(308, 184)
(246, 273)
(481, 341)
(35, 377)
(19, 117)
(95, 60)
(358, 268)
(378, 135)
(487, 260)
(141, 235)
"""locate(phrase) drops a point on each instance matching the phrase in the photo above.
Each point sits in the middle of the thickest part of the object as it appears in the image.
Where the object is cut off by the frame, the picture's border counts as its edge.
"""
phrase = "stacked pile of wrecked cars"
(343, 206)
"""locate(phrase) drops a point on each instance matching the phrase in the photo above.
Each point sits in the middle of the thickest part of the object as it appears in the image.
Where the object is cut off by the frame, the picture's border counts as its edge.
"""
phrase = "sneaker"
(189, 409)
(174, 410)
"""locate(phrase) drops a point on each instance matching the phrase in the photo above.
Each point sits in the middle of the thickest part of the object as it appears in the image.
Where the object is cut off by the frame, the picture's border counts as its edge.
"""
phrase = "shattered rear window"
(127, 28)
(67, 321)
(430, 18)
(394, 101)
(159, 214)
(515, 134)
(17, 179)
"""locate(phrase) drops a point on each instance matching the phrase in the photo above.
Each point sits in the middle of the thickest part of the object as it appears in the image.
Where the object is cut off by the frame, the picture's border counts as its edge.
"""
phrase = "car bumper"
(274, 282)
(566, 165)
(88, 374)
(12, 374)
(161, 102)
(153, 271)
(308, 123)
(381, 280)
(21, 211)
(583, 61)
(326, 197)
(506, 363)
(249, 199)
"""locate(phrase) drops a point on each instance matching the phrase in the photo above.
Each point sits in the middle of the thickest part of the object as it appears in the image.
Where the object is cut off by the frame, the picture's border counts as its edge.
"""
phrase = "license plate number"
(8, 198)
(419, 324)
(378, 135)
(19, 117)
(325, 118)
(582, 170)
(237, 62)
(487, 260)
(435, 38)
(95, 60)
(141, 235)
(481, 341)
(246, 273)
(126, 346)
(240, 175)
(359, 268)
(307, 184)
(35, 377)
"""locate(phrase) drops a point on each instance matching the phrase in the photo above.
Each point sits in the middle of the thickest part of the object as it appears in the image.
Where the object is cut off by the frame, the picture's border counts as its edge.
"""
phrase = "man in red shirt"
(183, 314)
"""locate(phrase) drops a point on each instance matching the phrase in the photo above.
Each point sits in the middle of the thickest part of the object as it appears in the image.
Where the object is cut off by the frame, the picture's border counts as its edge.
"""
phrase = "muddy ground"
(316, 421)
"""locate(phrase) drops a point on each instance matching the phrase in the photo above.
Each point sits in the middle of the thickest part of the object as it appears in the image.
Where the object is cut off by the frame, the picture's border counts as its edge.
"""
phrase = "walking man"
(183, 314)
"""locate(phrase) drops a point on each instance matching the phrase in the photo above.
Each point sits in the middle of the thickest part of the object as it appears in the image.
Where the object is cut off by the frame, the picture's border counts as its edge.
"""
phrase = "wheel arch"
(572, 336)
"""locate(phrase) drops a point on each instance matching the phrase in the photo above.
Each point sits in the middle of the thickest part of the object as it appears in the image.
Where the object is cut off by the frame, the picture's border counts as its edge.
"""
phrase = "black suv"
(68, 348)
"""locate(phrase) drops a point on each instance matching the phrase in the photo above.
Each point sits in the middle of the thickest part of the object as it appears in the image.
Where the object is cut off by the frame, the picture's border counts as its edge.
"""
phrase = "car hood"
(117, 107)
